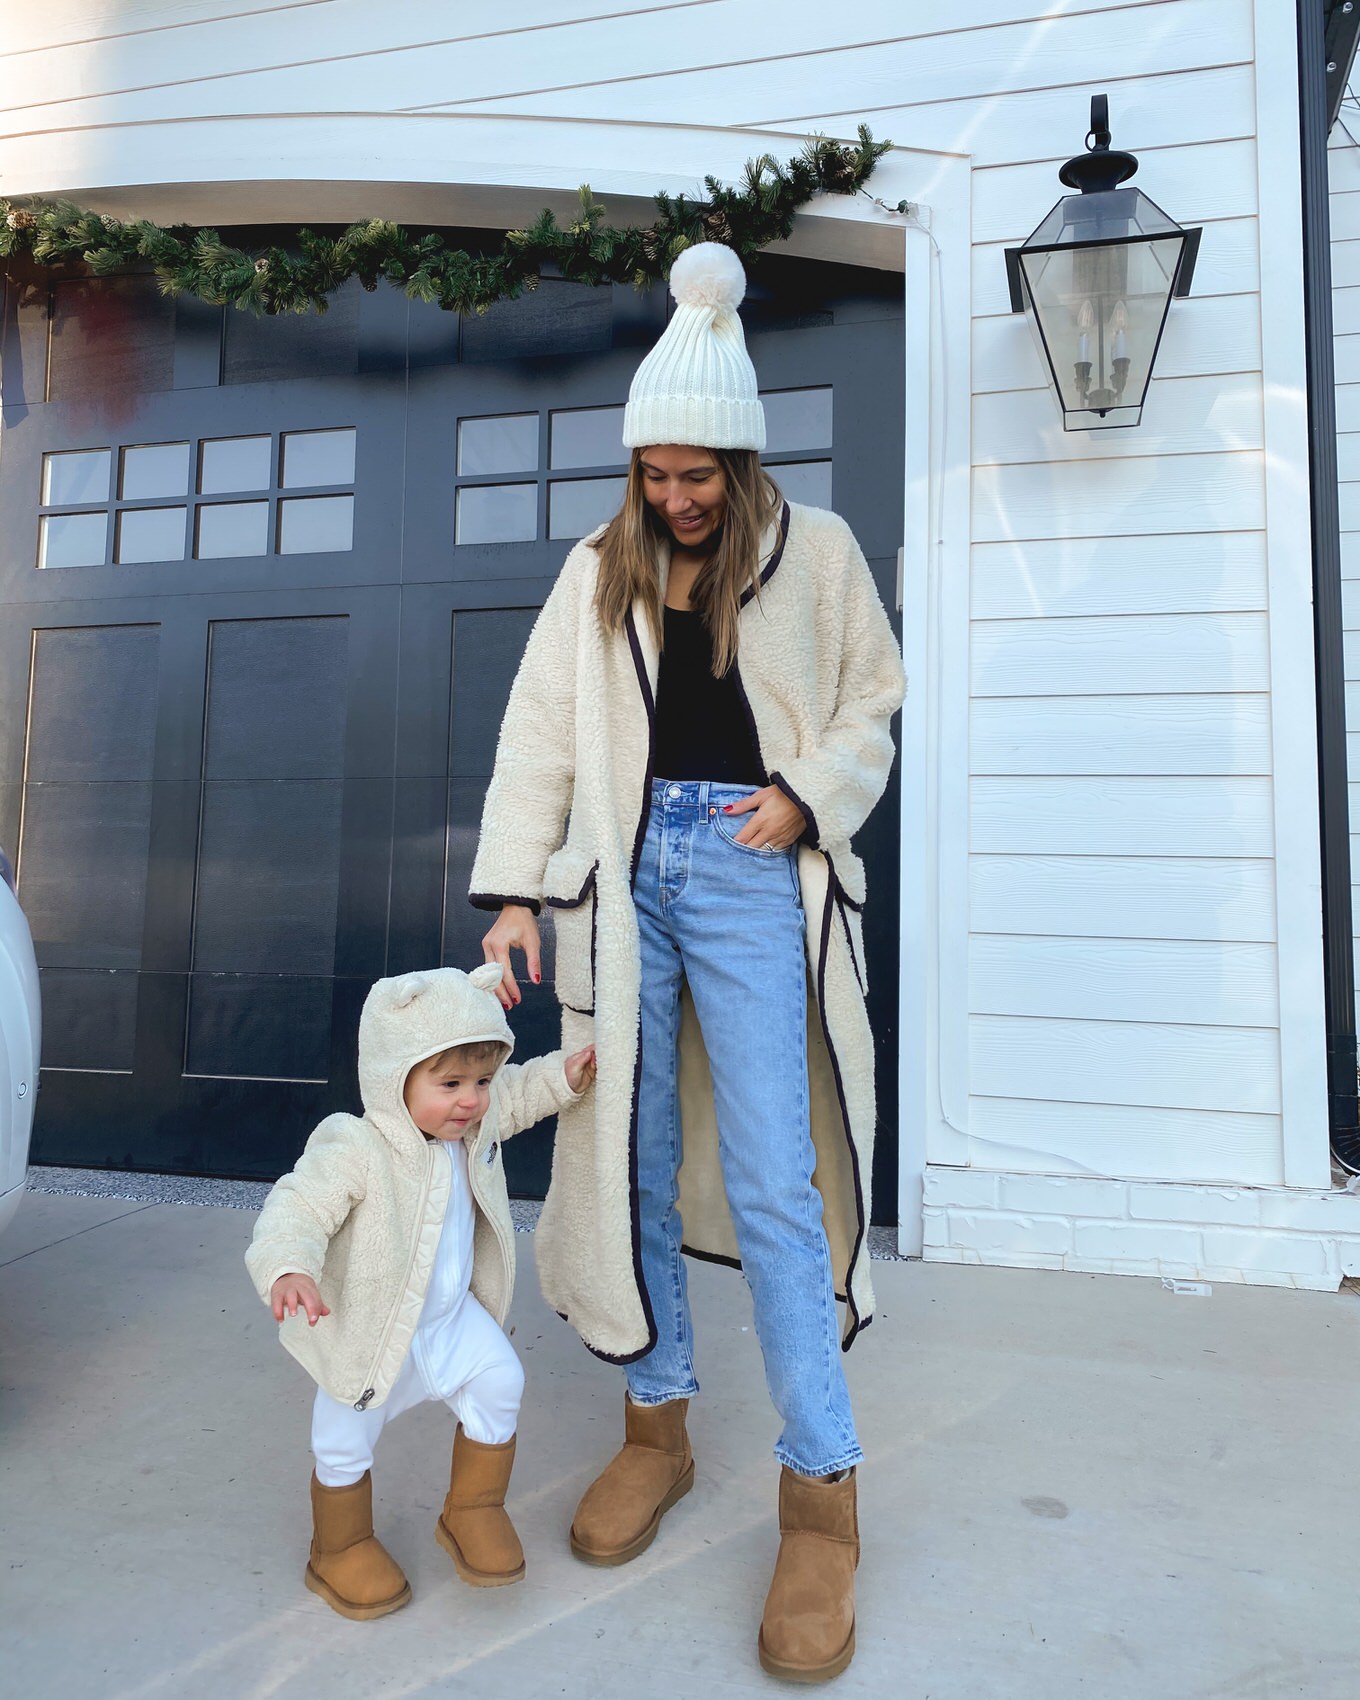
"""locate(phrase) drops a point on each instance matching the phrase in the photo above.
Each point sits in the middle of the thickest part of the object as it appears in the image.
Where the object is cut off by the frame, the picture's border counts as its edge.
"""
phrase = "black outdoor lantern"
(1097, 277)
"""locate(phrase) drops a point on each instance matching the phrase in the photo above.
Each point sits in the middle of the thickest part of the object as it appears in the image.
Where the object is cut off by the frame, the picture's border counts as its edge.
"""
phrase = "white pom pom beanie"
(698, 386)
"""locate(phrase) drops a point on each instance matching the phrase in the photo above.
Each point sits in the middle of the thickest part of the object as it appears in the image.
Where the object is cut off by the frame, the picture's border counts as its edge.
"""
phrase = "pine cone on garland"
(19, 218)
(838, 172)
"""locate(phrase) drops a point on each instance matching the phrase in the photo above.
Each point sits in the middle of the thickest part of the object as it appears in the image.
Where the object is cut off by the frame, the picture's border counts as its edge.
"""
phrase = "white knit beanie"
(698, 386)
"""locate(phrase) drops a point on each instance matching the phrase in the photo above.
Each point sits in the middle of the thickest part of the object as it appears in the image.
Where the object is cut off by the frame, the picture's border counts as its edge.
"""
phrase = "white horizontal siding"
(1202, 572)
(1346, 302)
(1157, 897)
(1185, 1065)
(612, 66)
(1191, 980)
(1202, 105)
(1201, 415)
(875, 72)
(1347, 406)
(1137, 1141)
(1148, 494)
(1345, 258)
(1229, 733)
(1348, 448)
(1121, 816)
(1137, 652)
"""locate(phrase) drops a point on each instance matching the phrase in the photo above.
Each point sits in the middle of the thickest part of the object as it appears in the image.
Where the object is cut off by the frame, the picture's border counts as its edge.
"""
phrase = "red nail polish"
(536, 979)
(727, 808)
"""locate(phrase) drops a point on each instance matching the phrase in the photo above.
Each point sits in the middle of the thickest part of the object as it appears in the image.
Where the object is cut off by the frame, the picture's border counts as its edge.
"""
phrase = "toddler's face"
(447, 1103)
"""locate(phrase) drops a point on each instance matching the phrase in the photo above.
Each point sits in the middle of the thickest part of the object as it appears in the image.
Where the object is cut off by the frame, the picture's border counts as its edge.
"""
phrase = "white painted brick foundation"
(1276, 1237)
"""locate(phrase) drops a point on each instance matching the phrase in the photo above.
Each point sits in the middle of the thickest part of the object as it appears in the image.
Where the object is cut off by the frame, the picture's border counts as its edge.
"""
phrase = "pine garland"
(300, 274)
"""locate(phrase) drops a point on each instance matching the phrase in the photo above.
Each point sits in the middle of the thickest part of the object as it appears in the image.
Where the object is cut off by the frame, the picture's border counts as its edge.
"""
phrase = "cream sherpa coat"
(822, 675)
(362, 1211)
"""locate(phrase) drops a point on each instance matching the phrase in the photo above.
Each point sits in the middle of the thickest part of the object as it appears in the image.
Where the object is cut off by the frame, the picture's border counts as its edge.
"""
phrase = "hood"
(413, 1016)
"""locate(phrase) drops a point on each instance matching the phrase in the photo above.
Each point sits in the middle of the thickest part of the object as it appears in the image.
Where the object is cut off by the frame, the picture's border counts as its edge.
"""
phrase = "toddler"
(388, 1257)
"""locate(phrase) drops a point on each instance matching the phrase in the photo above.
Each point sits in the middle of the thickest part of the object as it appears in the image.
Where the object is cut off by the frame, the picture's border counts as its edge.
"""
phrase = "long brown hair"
(628, 550)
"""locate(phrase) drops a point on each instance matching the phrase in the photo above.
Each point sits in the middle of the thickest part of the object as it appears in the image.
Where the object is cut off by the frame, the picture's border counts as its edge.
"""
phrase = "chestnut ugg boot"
(622, 1508)
(349, 1566)
(474, 1527)
(808, 1632)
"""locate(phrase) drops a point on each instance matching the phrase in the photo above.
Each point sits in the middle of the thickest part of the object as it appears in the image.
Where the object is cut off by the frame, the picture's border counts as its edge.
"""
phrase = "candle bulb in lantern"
(1119, 347)
(1085, 320)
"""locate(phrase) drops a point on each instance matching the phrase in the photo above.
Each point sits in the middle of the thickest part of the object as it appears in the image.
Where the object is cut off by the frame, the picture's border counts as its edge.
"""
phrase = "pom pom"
(407, 990)
(487, 977)
(708, 275)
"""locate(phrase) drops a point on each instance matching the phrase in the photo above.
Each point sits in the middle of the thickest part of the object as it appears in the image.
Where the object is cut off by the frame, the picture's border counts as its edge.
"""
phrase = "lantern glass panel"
(1099, 311)
(1110, 215)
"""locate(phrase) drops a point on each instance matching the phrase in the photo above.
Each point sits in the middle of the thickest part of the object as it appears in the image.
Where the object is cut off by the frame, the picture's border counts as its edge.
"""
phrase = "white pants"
(465, 1360)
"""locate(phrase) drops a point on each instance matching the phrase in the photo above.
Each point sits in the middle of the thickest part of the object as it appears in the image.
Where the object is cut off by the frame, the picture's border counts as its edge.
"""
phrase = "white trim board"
(1288, 528)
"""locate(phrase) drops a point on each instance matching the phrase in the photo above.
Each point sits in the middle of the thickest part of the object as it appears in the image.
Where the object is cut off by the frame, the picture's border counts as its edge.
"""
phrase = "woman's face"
(688, 491)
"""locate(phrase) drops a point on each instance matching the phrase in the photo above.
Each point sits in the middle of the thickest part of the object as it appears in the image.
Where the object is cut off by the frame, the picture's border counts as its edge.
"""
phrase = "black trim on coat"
(812, 833)
(772, 565)
(822, 955)
(575, 903)
(649, 703)
(493, 900)
(607, 1357)
(736, 1263)
(635, 1202)
(850, 945)
(579, 899)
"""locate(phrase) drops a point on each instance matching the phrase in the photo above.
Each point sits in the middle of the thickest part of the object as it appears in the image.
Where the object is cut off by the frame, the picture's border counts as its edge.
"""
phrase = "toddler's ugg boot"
(474, 1527)
(808, 1633)
(622, 1508)
(349, 1566)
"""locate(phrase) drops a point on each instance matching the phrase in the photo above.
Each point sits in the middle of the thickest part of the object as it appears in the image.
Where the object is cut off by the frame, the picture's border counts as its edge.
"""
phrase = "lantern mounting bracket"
(1100, 167)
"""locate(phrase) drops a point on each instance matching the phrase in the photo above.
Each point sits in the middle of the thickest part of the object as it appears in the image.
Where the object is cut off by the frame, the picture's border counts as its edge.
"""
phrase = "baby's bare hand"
(580, 1069)
(290, 1291)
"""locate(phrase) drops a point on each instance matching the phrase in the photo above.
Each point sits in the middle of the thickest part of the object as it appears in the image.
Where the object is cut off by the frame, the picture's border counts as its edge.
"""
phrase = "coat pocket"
(569, 892)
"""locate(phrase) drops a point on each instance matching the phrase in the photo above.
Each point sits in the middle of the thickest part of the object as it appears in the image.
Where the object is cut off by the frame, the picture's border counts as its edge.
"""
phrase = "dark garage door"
(265, 586)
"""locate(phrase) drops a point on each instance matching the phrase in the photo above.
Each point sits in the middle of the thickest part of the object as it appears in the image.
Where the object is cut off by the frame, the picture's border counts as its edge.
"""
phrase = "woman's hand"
(580, 1069)
(515, 928)
(776, 823)
(290, 1291)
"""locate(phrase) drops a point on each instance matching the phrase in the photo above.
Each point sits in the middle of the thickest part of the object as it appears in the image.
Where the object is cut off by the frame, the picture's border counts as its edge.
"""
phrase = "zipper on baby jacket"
(483, 1209)
(366, 1398)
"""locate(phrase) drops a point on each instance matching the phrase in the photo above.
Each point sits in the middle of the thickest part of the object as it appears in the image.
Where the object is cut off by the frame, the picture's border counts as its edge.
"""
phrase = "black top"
(703, 727)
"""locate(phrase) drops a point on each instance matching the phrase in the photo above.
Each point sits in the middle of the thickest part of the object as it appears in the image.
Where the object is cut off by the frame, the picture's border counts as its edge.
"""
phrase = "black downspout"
(1338, 964)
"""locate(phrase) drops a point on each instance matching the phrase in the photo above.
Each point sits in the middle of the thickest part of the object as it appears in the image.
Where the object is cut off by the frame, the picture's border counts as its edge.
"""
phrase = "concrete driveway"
(1078, 1485)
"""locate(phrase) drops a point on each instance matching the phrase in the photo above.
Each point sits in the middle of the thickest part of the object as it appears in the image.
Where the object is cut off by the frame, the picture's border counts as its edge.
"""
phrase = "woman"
(708, 694)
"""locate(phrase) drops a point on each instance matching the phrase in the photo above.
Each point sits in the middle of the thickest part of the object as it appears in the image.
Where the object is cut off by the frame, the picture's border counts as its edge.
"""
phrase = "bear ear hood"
(413, 1016)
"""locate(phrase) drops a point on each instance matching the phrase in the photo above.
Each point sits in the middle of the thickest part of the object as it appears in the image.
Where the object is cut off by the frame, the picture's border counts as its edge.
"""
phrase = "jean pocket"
(569, 891)
(727, 826)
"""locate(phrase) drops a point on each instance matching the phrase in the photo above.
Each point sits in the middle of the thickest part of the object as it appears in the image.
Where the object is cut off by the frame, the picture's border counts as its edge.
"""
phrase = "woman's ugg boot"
(808, 1632)
(474, 1528)
(349, 1566)
(622, 1508)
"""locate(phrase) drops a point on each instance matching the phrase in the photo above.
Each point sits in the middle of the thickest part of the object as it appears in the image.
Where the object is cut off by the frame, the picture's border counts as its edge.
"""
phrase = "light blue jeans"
(729, 920)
